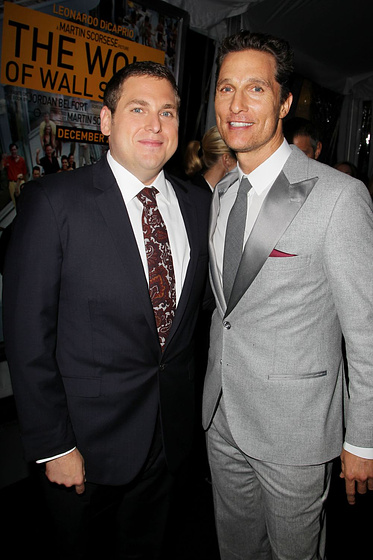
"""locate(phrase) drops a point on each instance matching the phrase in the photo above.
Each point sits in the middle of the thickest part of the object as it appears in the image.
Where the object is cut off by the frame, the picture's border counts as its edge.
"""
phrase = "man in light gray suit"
(275, 384)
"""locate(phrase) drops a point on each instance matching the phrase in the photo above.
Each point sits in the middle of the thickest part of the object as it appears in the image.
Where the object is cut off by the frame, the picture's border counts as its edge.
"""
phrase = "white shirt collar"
(265, 174)
(130, 185)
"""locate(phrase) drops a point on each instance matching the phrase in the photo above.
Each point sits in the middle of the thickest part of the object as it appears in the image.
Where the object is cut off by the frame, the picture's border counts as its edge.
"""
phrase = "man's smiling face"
(143, 132)
(248, 106)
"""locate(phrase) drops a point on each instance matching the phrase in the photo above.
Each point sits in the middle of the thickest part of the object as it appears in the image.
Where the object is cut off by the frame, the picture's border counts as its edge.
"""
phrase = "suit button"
(161, 367)
(226, 325)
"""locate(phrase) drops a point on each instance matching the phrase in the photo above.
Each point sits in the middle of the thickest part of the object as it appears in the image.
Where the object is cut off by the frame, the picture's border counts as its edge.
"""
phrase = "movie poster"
(56, 59)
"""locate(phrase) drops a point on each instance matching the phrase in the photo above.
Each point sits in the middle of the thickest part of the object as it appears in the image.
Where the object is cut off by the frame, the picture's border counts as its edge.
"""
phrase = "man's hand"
(358, 473)
(67, 470)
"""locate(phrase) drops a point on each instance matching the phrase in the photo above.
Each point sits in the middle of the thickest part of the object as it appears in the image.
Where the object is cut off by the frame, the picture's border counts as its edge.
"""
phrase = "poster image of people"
(56, 59)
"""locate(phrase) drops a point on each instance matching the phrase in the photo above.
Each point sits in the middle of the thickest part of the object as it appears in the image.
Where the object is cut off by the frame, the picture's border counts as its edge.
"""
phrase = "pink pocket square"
(276, 253)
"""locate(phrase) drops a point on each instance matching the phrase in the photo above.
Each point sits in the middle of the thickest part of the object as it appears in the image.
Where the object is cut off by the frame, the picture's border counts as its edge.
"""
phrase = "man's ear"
(226, 161)
(105, 119)
(285, 107)
(318, 149)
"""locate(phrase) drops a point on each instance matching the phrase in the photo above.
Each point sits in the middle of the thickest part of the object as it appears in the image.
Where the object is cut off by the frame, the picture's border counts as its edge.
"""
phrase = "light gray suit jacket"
(275, 348)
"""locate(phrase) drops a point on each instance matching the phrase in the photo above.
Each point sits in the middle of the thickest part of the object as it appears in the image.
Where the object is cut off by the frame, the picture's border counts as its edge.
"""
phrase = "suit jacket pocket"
(287, 263)
(297, 376)
(89, 387)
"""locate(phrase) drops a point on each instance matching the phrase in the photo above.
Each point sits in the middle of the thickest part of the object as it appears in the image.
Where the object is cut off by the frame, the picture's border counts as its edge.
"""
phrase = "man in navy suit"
(105, 404)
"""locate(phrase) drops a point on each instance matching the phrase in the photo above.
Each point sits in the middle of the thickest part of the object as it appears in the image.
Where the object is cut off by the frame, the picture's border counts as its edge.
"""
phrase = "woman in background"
(207, 162)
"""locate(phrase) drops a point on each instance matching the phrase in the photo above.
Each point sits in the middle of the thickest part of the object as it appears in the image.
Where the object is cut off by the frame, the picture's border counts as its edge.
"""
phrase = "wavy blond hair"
(204, 155)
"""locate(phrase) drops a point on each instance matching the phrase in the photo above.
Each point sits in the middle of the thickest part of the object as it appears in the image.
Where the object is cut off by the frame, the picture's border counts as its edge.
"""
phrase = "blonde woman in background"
(207, 162)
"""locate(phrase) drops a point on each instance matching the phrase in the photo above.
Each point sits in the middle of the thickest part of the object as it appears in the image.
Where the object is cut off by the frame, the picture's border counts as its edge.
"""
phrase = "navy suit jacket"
(79, 329)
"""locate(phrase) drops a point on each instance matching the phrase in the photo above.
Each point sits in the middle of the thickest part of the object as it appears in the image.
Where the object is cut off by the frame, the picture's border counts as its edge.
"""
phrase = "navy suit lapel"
(191, 225)
(111, 204)
(279, 208)
(113, 209)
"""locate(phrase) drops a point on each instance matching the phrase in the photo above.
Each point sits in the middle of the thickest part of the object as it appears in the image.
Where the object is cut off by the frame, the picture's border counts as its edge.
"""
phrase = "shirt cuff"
(363, 452)
(55, 456)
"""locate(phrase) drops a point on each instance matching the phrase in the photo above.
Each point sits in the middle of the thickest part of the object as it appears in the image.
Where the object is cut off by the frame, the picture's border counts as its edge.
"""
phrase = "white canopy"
(332, 39)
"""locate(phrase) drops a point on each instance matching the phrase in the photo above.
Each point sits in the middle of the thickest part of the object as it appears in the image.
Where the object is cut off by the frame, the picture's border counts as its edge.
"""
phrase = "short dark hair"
(353, 168)
(113, 89)
(279, 48)
(298, 126)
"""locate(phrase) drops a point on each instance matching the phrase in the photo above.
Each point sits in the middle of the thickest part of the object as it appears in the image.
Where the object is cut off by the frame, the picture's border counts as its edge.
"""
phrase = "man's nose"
(238, 102)
(153, 123)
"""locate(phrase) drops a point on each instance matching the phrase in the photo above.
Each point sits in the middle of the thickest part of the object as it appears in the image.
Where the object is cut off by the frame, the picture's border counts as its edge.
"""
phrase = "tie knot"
(148, 195)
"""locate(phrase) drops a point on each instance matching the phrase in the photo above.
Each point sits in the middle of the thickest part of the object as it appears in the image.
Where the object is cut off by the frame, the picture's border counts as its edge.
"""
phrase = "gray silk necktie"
(234, 237)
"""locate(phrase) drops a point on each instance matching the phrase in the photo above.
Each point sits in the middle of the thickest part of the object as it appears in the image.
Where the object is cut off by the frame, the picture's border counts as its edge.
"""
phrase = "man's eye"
(257, 89)
(226, 89)
(137, 110)
(167, 114)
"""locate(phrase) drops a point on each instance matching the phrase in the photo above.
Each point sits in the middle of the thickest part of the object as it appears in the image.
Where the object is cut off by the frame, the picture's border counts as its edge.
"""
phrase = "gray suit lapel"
(280, 207)
(219, 190)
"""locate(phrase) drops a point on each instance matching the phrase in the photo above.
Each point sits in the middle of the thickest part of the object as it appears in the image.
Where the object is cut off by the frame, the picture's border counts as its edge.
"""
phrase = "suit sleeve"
(349, 266)
(32, 276)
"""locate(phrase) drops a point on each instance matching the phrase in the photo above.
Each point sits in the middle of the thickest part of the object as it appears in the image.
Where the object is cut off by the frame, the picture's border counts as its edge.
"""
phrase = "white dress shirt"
(169, 208)
(261, 179)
